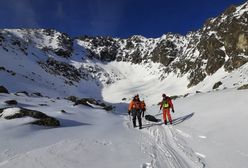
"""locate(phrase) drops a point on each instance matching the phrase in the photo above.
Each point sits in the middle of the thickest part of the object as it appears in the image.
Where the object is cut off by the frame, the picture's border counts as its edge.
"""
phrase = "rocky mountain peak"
(222, 43)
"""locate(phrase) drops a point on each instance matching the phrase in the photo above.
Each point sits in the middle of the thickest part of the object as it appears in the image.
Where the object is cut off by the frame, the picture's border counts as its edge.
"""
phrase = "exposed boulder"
(217, 85)
(43, 104)
(11, 102)
(42, 119)
(21, 93)
(86, 101)
(243, 87)
(89, 102)
(37, 94)
(175, 97)
(72, 98)
(63, 111)
(187, 94)
(108, 108)
(3, 90)
(49, 121)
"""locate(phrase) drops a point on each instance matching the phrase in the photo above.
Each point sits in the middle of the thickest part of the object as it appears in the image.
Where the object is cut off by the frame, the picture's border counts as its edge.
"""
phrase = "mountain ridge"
(218, 49)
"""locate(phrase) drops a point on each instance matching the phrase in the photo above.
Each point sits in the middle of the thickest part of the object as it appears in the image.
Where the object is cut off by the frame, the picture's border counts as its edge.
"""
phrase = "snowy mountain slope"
(202, 136)
(62, 62)
(87, 137)
(221, 43)
(216, 130)
(110, 69)
(42, 71)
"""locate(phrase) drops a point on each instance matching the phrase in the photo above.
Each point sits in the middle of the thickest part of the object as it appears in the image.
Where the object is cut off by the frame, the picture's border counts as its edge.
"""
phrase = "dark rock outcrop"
(48, 121)
(217, 85)
(3, 90)
(243, 87)
(42, 119)
(63, 69)
(89, 102)
(11, 102)
(22, 93)
(72, 98)
(37, 94)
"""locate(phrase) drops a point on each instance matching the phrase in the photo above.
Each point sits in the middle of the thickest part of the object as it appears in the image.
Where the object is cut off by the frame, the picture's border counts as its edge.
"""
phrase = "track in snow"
(159, 142)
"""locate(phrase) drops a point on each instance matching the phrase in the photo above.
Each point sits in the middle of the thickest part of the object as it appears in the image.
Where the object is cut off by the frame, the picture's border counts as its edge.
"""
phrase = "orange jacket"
(143, 105)
(135, 104)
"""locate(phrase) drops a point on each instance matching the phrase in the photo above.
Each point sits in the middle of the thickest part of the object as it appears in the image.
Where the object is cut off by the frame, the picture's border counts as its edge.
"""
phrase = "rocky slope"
(222, 42)
(41, 55)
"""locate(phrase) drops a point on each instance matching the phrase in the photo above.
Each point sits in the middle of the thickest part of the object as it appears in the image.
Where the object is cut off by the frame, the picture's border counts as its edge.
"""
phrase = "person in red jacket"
(166, 104)
(135, 109)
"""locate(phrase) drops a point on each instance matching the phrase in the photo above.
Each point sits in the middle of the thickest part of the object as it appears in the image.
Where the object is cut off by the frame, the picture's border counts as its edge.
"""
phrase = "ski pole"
(130, 117)
(159, 111)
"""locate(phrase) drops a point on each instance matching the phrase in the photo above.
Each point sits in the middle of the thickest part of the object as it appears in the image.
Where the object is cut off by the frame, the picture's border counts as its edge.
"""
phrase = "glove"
(128, 112)
(160, 108)
(173, 110)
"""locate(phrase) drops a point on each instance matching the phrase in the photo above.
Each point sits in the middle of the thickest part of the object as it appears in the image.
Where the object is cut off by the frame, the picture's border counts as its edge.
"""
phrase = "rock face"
(62, 69)
(222, 43)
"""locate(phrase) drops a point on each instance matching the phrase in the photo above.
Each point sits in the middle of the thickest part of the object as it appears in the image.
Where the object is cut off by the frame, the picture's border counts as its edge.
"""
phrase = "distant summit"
(217, 54)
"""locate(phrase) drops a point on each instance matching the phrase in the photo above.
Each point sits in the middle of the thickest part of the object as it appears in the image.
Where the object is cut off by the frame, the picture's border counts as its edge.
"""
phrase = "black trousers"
(143, 113)
(137, 114)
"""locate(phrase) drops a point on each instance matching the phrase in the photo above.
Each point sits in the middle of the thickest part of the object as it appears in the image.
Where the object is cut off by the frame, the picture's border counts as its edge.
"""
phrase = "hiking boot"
(140, 127)
(165, 123)
(134, 123)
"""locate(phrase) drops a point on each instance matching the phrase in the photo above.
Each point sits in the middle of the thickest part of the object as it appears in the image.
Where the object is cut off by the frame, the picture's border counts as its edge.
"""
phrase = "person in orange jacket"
(166, 104)
(135, 109)
(143, 107)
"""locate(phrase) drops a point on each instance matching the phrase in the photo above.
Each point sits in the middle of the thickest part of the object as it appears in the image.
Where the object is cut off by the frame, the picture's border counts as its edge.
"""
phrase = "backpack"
(151, 118)
(165, 103)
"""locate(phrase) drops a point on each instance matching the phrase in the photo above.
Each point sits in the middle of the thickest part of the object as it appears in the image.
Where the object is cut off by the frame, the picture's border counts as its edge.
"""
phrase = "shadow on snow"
(182, 119)
(71, 123)
(174, 121)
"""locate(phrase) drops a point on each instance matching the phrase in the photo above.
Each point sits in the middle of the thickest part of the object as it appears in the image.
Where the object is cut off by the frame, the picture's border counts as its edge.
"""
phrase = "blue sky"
(118, 18)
